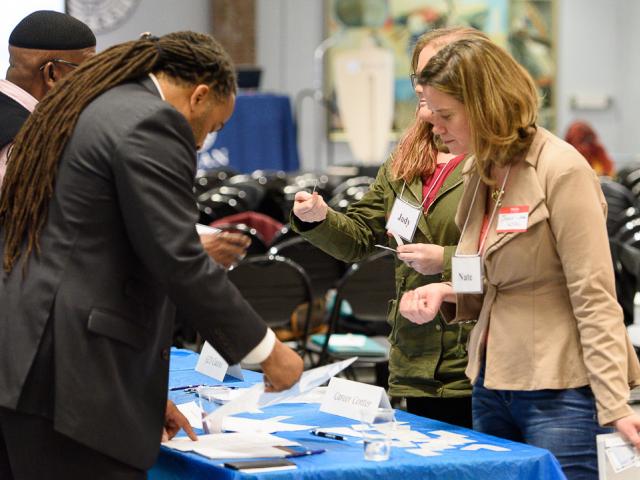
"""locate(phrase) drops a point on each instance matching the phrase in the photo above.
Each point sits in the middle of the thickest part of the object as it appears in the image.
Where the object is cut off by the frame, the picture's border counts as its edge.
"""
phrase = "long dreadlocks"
(186, 57)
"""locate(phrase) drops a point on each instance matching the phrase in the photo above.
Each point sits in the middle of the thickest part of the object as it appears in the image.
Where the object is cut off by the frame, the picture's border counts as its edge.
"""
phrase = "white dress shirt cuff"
(260, 353)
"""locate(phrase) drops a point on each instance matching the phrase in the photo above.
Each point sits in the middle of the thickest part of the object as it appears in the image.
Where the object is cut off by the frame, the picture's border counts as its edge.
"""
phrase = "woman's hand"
(629, 427)
(310, 207)
(422, 304)
(424, 258)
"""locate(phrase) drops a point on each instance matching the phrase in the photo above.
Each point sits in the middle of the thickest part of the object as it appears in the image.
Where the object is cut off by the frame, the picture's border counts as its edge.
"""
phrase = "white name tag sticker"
(466, 273)
(348, 399)
(513, 219)
(403, 219)
(212, 364)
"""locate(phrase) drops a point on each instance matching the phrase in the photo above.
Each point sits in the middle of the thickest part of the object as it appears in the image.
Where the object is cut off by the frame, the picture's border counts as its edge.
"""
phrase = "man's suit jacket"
(119, 254)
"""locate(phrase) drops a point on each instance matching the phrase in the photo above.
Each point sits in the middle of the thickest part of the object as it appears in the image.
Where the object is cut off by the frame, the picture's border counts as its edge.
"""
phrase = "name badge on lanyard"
(403, 219)
(466, 273)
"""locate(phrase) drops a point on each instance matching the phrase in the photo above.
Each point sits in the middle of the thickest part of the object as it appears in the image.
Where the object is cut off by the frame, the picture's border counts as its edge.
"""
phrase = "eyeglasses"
(59, 60)
(414, 79)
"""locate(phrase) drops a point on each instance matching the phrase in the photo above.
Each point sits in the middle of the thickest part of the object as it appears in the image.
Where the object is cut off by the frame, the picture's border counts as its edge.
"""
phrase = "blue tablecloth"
(343, 460)
(259, 135)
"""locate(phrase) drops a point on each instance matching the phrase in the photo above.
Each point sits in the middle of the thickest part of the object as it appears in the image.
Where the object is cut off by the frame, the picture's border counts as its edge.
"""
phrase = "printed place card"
(213, 365)
(347, 398)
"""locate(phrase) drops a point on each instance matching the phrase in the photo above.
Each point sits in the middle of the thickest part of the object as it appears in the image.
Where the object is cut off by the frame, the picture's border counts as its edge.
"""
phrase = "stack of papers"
(350, 344)
(233, 445)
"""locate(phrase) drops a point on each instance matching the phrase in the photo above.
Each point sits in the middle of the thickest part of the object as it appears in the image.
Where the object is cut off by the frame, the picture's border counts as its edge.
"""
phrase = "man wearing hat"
(43, 48)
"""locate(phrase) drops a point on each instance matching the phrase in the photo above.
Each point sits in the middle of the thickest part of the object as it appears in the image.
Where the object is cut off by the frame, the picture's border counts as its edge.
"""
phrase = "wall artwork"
(524, 27)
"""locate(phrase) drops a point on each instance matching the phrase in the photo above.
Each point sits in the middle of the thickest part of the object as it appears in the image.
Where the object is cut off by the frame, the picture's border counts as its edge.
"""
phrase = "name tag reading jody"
(513, 219)
(403, 219)
(466, 273)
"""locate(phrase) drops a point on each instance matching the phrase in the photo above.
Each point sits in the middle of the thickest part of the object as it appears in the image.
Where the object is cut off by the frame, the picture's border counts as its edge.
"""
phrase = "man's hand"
(310, 207)
(629, 427)
(424, 258)
(282, 368)
(422, 304)
(174, 420)
(225, 248)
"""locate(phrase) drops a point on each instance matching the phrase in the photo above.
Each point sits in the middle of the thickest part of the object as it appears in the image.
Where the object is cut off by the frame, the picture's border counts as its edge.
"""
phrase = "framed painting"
(524, 27)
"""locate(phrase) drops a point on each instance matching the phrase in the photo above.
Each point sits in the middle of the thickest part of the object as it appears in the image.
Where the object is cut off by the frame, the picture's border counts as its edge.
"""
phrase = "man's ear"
(199, 95)
(49, 75)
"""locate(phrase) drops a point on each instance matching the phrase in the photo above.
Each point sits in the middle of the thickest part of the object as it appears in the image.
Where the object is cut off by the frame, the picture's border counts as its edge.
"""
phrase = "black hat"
(49, 30)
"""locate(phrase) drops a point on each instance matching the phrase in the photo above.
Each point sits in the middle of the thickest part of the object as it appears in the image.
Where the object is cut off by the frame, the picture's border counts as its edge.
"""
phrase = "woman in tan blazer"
(549, 358)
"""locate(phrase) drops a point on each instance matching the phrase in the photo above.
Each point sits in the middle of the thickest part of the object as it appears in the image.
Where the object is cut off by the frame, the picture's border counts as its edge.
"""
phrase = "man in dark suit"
(43, 48)
(100, 253)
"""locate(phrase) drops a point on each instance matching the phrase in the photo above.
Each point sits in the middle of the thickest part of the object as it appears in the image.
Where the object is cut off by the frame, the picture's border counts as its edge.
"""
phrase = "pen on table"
(318, 433)
(185, 387)
(305, 453)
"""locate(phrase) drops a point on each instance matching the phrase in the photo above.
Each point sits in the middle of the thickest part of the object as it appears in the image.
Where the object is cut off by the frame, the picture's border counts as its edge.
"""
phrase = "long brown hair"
(416, 152)
(499, 96)
(187, 57)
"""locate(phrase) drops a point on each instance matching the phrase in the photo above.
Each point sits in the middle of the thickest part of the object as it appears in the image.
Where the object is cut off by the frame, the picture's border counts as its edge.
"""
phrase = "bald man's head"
(44, 47)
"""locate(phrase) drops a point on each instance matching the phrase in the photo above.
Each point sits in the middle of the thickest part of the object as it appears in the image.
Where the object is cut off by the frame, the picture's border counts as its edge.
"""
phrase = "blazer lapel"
(523, 189)
(471, 209)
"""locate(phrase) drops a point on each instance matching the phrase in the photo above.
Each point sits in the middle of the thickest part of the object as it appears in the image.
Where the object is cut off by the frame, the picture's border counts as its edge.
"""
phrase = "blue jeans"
(562, 421)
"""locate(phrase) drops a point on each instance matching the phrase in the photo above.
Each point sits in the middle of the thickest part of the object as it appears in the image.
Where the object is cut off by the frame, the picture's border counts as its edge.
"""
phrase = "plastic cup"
(378, 433)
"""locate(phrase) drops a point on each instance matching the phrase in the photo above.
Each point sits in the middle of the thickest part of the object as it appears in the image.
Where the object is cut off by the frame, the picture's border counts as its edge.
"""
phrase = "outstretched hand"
(421, 305)
(309, 207)
(174, 420)
(424, 258)
(629, 427)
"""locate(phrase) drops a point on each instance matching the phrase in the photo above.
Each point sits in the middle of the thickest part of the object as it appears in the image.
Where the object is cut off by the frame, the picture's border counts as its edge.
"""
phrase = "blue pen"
(306, 452)
(185, 387)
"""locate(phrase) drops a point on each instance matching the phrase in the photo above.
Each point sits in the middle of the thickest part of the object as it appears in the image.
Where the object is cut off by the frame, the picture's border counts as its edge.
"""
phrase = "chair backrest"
(368, 286)
(323, 269)
(274, 286)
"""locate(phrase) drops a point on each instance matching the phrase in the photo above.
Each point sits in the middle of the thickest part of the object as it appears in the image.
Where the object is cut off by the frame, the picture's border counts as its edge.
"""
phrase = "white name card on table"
(347, 398)
(213, 365)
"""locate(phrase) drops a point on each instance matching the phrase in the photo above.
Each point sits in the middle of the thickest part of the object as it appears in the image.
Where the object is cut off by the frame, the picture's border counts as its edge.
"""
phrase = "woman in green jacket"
(427, 362)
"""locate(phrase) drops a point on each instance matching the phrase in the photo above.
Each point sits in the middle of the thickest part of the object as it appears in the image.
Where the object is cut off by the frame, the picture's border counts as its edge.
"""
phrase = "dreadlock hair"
(418, 148)
(187, 57)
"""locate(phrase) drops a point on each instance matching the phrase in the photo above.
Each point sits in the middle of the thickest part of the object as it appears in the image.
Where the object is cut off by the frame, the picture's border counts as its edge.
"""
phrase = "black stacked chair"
(275, 287)
(273, 204)
(349, 191)
(367, 287)
(619, 198)
(323, 269)
(285, 233)
(630, 178)
(207, 179)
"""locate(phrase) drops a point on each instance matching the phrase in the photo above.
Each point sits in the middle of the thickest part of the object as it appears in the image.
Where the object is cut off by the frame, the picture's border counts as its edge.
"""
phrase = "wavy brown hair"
(417, 150)
(499, 96)
(186, 57)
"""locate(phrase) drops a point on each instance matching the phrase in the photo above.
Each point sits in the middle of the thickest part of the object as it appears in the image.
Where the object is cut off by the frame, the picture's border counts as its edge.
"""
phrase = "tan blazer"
(548, 317)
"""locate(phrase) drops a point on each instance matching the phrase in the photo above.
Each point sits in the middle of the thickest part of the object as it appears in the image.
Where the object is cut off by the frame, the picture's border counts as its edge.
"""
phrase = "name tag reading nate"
(403, 219)
(466, 273)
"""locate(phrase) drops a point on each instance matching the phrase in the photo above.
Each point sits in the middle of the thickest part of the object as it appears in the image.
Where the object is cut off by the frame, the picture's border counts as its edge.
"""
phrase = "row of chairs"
(276, 286)
(221, 193)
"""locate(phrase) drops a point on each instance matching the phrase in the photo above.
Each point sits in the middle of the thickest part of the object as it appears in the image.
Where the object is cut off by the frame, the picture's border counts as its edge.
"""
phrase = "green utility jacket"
(425, 360)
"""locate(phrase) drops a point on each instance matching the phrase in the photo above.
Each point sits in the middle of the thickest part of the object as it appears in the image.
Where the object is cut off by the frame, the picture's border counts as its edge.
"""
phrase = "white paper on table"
(239, 424)
(256, 397)
(206, 229)
(193, 412)
(485, 446)
(452, 438)
(315, 395)
(211, 363)
(233, 445)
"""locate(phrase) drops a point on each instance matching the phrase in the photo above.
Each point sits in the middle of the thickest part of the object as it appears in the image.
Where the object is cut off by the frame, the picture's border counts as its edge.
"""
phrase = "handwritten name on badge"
(513, 219)
(403, 219)
(347, 398)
